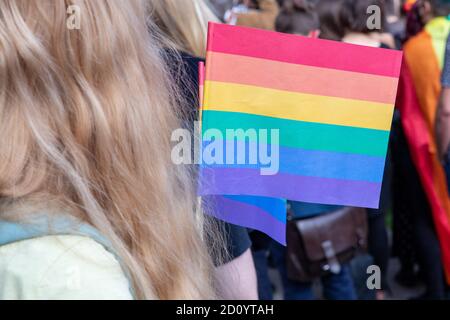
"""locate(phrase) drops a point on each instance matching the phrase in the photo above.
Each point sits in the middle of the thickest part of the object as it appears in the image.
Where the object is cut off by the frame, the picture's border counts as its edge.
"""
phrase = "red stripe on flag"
(302, 50)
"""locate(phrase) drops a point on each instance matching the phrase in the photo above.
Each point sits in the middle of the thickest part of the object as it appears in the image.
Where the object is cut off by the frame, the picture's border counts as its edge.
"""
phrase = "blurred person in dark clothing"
(424, 57)
(355, 18)
(335, 286)
(298, 17)
(395, 21)
(416, 17)
(339, 18)
(354, 21)
(443, 116)
(329, 13)
(411, 210)
(260, 252)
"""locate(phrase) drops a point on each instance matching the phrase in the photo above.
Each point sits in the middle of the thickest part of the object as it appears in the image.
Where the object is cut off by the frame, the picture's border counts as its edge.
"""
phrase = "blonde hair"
(185, 22)
(85, 121)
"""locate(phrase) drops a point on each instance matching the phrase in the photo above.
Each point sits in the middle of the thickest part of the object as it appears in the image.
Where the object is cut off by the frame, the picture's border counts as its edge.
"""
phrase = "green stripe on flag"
(305, 135)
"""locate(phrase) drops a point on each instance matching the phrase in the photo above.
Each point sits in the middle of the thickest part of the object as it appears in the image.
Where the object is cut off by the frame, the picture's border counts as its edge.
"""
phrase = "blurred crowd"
(403, 226)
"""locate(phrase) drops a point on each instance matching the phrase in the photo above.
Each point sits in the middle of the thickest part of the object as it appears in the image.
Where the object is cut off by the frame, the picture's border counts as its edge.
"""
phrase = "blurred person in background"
(220, 7)
(354, 21)
(435, 32)
(329, 13)
(395, 21)
(298, 17)
(260, 251)
(236, 275)
(409, 198)
(410, 203)
(424, 56)
(87, 182)
(443, 115)
(253, 13)
(332, 27)
(416, 17)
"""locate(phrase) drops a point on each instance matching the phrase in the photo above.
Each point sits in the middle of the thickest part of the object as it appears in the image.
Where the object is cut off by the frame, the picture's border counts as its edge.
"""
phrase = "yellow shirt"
(60, 267)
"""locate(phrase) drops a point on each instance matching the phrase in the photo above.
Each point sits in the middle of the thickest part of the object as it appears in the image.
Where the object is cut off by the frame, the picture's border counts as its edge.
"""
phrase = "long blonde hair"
(185, 22)
(85, 122)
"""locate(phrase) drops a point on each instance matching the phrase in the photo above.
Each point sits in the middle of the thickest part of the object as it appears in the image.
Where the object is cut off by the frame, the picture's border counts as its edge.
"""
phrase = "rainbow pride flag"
(264, 214)
(418, 98)
(331, 104)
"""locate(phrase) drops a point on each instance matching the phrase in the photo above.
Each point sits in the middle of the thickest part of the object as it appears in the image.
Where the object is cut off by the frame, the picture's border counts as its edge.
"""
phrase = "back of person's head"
(420, 12)
(297, 17)
(416, 18)
(355, 15)
(441, 8)
(184, 22)
(331, 25)
(85, 123)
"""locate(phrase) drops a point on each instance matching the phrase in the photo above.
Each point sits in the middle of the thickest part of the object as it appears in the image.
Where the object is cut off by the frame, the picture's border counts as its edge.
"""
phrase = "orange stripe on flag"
(300, 78)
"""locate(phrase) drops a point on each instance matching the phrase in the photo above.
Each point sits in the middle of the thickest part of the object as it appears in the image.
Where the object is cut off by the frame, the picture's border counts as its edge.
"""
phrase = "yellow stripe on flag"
(220, 96)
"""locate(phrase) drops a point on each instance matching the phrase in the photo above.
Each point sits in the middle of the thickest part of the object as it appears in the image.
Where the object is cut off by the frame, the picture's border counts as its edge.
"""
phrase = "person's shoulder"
(417, 42)
(60, 267)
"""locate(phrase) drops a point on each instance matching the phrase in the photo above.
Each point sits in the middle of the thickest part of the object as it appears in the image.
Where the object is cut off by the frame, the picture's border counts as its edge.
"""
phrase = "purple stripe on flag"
(246, 215)
(234, 181)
